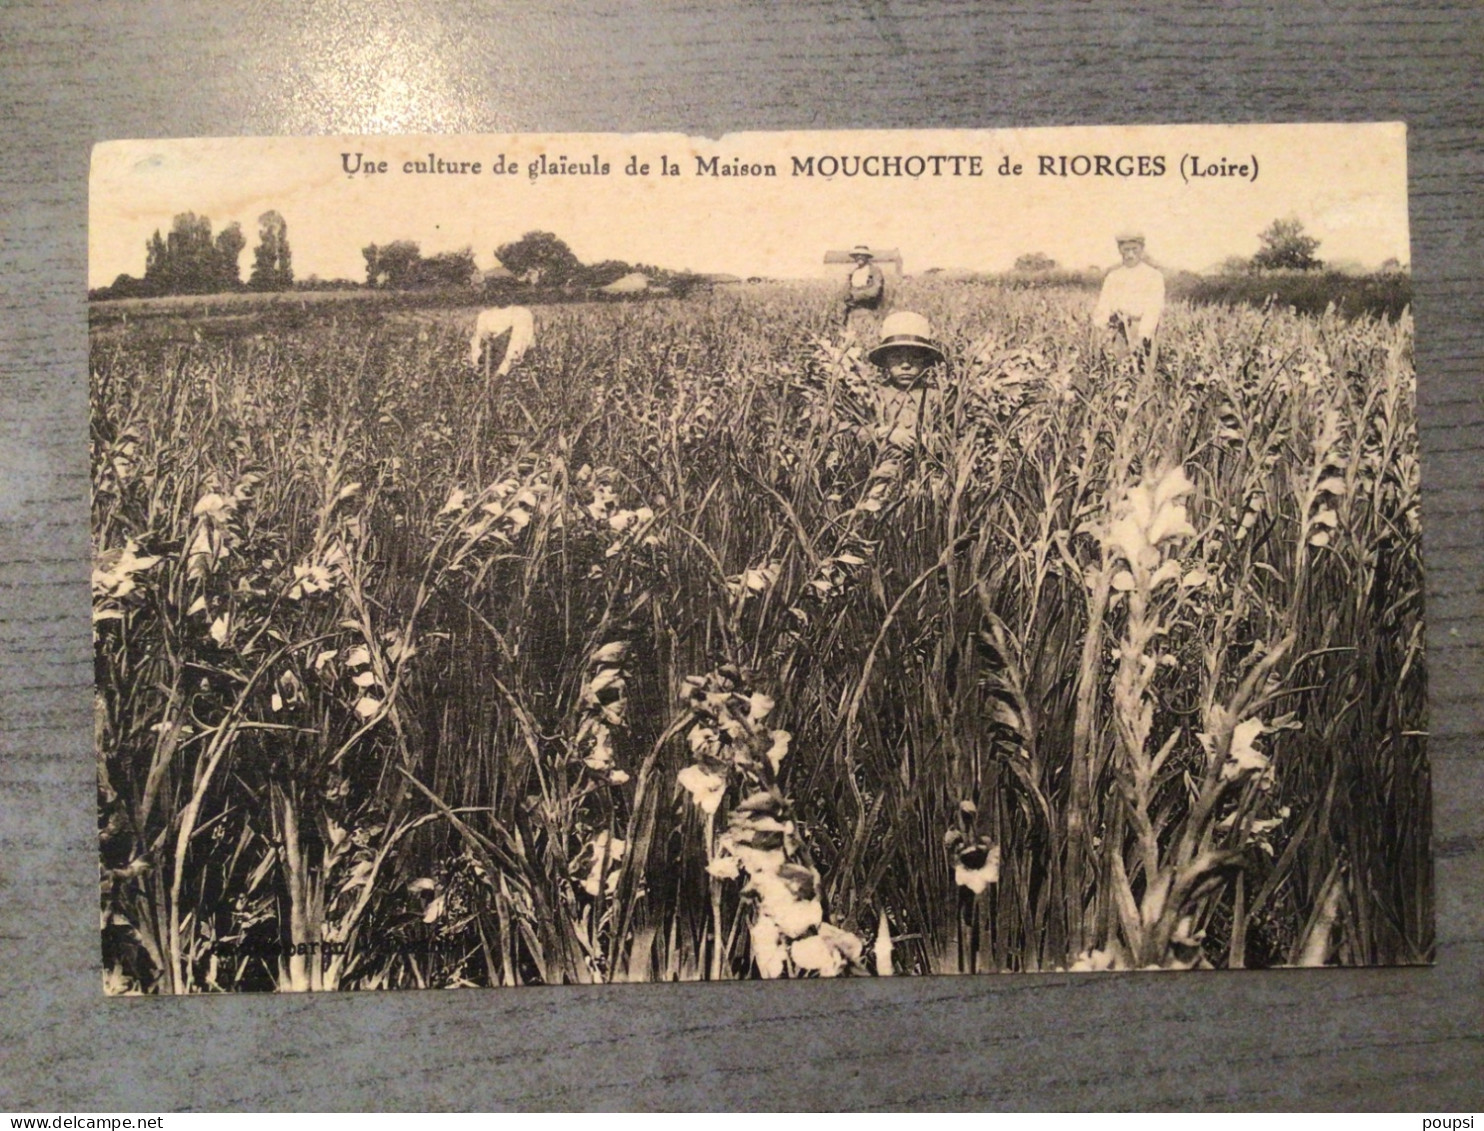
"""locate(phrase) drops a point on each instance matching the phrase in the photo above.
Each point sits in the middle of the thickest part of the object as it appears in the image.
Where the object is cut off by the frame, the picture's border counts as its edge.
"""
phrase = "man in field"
(865, 288)
(510, 326)
(1132, 300)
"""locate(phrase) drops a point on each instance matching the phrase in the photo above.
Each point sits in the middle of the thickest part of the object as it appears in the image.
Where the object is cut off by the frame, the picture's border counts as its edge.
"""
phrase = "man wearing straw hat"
(864, 290)
(1133, 298)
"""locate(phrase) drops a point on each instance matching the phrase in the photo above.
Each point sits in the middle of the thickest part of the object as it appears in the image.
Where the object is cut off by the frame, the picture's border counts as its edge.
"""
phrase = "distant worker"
(865, 288)
(512, 324)
(1133, 298)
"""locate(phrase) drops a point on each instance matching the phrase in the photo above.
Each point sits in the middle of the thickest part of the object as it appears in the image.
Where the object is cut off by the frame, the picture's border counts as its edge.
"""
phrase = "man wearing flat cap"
(864, 289)
(1133, 297)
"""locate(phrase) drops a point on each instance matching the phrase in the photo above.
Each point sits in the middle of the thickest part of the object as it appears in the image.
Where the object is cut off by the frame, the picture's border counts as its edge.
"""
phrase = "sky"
(1346, 183)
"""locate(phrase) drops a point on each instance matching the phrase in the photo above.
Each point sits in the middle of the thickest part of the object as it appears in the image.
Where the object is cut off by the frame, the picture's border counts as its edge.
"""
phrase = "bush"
(1307, 292)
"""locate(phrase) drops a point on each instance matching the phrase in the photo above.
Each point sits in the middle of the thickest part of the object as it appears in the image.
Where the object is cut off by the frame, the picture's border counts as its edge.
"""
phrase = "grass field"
(664, 660)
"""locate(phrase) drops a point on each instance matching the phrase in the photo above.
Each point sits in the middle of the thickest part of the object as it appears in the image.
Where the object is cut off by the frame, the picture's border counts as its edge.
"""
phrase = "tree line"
(190, 260)
(1283, 245)
(537, 259)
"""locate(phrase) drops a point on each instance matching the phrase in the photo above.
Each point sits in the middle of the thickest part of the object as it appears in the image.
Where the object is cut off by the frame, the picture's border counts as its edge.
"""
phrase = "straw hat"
(906, 330)
(861, 249)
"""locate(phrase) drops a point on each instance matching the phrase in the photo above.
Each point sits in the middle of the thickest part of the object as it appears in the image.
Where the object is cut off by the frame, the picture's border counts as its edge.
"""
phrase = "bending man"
(495, 323)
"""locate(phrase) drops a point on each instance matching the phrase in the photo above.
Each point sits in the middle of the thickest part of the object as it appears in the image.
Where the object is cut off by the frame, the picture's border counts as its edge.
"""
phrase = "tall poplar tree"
(272, 266)
(229, 244)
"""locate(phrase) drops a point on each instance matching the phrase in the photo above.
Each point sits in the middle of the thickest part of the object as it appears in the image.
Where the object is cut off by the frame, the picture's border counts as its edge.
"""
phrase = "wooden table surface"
(72, 74)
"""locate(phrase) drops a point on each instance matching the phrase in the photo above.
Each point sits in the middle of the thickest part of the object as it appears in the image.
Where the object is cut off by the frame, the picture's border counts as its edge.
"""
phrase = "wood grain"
(72, 74)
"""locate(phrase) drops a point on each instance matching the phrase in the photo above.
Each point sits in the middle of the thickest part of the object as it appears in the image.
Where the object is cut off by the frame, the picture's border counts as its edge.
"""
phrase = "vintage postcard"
(573, 559)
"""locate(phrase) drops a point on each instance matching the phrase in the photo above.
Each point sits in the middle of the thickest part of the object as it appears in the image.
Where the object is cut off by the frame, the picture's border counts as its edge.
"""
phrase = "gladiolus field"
(662, 658)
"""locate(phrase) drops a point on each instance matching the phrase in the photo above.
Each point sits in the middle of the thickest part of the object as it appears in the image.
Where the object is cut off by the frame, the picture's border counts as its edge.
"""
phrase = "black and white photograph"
(566, 559)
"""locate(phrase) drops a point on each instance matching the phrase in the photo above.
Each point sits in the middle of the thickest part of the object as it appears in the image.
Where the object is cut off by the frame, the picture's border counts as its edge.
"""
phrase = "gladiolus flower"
(1170, 522)
(218, 508)
(312, 578)
(978, 866)
(827, 952)
(1126, 536)
(769, 950)
(704, 742)
(758, 706)
(881, 949)
(457, 499)
(599, 757)
(1095, 960)
(613, 849)
(113, 573)
(1172, 485)
(724, 868)
(1148, 515)
(610, 653)
(789, 896)
(779, 749)
(1244, 757)
(705, 788)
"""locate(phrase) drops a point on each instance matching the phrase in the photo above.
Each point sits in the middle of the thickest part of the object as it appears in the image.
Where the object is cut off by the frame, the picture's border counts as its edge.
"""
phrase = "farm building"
(952, 274)
(890, 259)
(630, 284)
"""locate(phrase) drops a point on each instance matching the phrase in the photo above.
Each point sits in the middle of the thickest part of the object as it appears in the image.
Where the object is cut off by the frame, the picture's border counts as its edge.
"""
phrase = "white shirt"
(497, 320)
(1137, 294)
